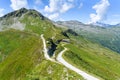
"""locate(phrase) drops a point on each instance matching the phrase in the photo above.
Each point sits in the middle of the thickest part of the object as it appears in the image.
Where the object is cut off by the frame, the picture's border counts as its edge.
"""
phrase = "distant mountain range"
(102, 25)
(92, 24)
(105, 25)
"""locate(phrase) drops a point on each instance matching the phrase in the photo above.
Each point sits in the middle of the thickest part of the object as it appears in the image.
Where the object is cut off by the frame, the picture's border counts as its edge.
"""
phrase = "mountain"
(30, 45)
(70, 24)
(21, 48)
(106, 36)
(102, 25)
(13, 19)
(73, 23)
(117, 24)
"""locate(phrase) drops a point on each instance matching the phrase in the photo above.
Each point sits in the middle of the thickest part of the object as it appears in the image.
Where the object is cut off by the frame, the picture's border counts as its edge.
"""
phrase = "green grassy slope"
(22, 59)
(93, 58)
(106, 36)
(21, 52)
(13, 40)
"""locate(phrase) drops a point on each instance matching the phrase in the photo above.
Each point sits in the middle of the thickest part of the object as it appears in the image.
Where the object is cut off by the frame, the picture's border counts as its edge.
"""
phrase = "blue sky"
(86, 11)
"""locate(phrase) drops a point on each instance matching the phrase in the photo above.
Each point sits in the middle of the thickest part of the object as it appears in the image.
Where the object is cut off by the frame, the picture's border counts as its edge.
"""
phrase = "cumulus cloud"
(101, 9)
(1, 12)
(17, 4)
(52, 7)
(65, 7)
(53, 16)
(57, 7)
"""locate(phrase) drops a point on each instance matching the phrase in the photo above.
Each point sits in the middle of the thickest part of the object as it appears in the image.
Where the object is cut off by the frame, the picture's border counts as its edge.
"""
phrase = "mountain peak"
(17, 13)
(23, 11)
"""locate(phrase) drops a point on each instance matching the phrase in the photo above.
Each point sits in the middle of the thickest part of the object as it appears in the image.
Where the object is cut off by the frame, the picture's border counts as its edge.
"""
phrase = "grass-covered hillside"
(22, 56)
(106, 36)
(93, 58)
(21, 48)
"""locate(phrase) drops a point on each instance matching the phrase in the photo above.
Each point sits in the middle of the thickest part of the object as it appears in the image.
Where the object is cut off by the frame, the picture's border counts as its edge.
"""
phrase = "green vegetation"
(39, 26)
(51, 71)
(12, 40)
(21, 52)
(22, 59)
(93, 58)
(106, 36)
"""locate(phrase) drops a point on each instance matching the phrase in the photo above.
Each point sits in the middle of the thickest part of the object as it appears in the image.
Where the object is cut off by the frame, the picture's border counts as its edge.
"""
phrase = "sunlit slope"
(29, 21)
(106, 36)
(22, 58)
(93, 58)
(21, 48)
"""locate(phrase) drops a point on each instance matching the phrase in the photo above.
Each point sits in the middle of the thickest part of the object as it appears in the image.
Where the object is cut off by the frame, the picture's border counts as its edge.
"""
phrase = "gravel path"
(45, 50)
(71, 67)
(65, 63)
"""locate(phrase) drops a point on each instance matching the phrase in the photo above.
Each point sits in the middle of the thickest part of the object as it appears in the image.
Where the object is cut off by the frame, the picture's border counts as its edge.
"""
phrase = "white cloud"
(1, 12)
(101, 9)
(53, 16)
(52, 7)
(58, 7)
(61, 19)
(17, 4)
(65, 7)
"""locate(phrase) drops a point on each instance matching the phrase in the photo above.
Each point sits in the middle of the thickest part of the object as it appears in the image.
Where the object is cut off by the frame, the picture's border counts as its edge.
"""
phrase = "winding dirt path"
(71, 67)
(65, 63)
(45, 50)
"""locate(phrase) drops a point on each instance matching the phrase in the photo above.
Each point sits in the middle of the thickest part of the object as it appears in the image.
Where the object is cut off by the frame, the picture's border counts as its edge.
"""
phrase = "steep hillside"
(93, 58)
(27, 20)
(21, 48)
(108, 37)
